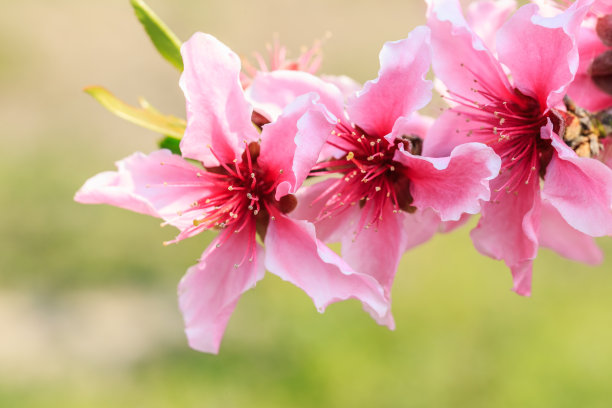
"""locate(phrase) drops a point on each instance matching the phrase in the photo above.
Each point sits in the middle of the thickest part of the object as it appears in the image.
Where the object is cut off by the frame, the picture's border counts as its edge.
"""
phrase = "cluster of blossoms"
(281, 161)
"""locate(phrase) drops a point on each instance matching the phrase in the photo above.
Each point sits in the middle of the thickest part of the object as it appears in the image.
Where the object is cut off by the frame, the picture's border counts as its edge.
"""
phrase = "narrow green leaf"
(145, 116)
(171, 143)
(166, 42)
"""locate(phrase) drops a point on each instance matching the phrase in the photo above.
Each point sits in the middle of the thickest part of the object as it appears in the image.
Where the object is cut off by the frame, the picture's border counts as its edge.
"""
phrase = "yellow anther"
(350, 156)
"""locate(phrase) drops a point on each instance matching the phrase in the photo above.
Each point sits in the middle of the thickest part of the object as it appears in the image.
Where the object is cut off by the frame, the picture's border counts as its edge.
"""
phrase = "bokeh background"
(88, 314)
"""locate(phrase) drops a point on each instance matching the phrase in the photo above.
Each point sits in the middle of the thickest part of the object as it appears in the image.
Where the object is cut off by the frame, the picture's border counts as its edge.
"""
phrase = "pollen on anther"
(350, 156)
(281, 171)
(198, 174)
(377, 188)
(392, 168)
(230, 188)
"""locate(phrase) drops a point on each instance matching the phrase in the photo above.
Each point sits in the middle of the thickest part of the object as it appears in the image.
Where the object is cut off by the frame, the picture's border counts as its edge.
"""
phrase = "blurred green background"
(88, 314)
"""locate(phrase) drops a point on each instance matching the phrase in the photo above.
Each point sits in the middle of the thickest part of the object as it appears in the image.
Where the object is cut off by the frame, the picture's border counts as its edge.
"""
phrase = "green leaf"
(145, 116)
(166, 42)
(171, 143)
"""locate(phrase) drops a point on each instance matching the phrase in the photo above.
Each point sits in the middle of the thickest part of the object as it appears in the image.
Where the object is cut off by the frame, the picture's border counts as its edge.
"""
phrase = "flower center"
(238, 197)
(512, 128)
(369, 175)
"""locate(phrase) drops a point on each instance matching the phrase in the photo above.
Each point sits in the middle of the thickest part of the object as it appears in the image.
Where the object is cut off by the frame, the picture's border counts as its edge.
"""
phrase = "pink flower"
(375, 149)
(308, 61)
(592, 86)
(521, 121)
(246, 188)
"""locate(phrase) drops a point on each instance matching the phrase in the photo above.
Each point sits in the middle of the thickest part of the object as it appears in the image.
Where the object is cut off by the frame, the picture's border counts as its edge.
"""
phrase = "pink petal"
(377, 251)
(294, 254)
(583, 90)
(452, 185)
(580, 189)
(556, 234)
(218, 114)
(291, 146)
(545, 64)
(401, 87)
(415, 124)
(447, 132)
(312, 199)
(209, 291)
(460, 57)
(347, 85)
(508, 230)
(271, 92)
(602, 6)
(161, 184)
(486, 17)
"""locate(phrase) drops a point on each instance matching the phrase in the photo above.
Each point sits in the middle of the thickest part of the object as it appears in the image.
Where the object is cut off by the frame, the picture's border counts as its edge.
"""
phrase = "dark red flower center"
(369, 175)
(513, 129)
(240, 197)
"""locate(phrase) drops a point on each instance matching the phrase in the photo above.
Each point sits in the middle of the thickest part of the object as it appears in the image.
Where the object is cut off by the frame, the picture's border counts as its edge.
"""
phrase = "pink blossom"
(520, 120)
(308, 61)
(588, 90)
(245, 188)
(388, 197)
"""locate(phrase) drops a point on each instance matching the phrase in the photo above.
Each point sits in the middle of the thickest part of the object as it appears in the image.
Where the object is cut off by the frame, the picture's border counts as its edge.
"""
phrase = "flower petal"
(347, 85)
(449, 131)
(296, 255)
(558, 235)
(376, 251)
(582, 89)
(291, 145)
(218, 114)
(486, 17)
(451, 185)
(401, 87)
(209, 291)
(460, 57)
(508, 230)
(271, 92)
(161, 184)
(580, 189)
(415, 124)
(311, 201)
(545, 64)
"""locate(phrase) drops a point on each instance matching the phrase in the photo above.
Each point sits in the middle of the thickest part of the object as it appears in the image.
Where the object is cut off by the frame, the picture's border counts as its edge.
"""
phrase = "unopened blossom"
(523, 119)
(244, 187)
(381, 196)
